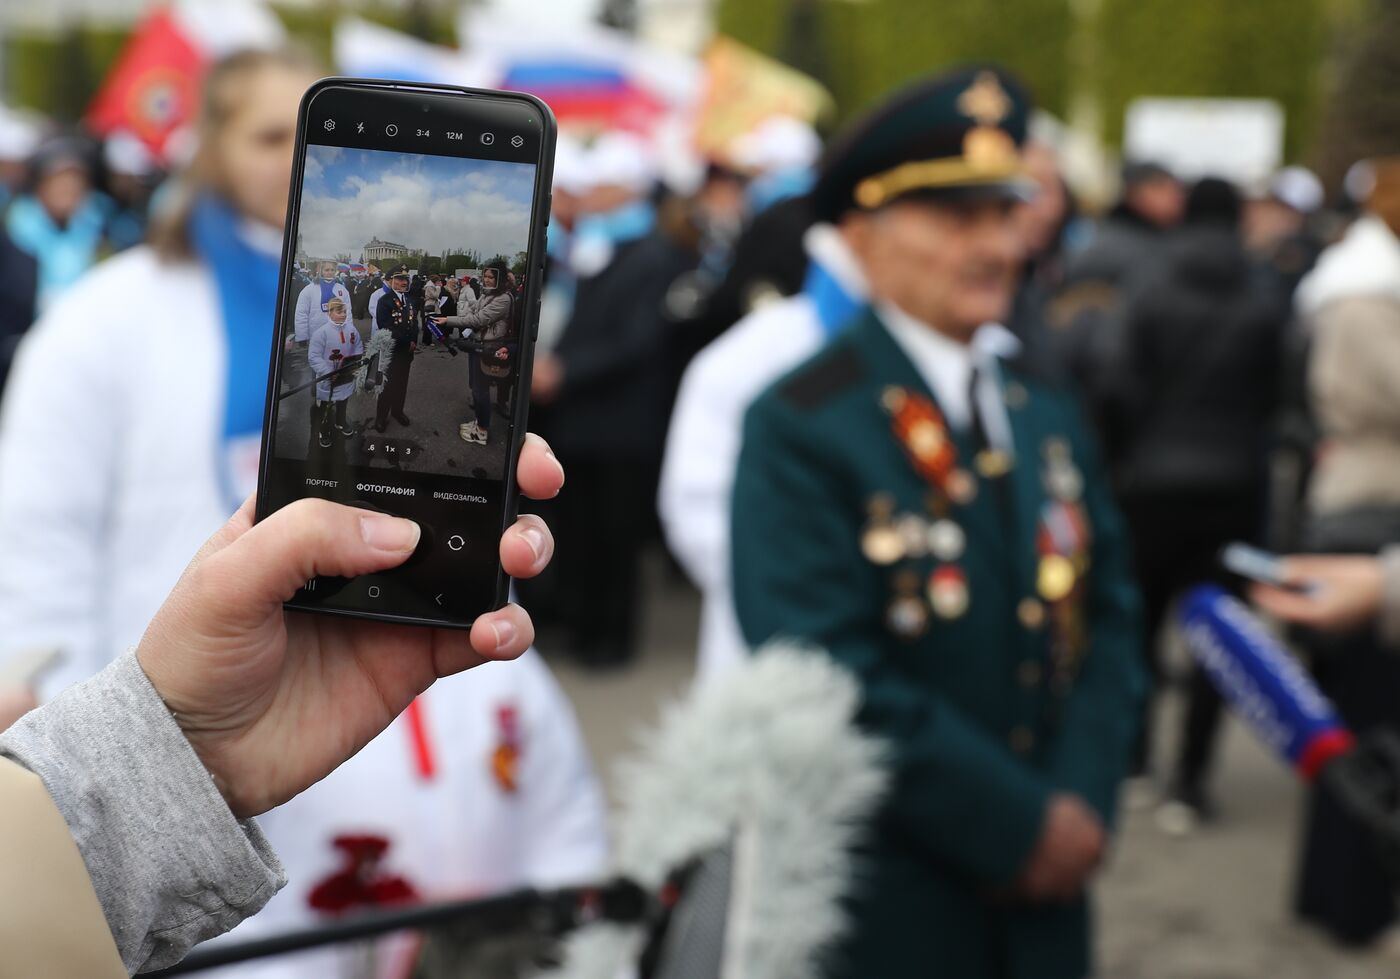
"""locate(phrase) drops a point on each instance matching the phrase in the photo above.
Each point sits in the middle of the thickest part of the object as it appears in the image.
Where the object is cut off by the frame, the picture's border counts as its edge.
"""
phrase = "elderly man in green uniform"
(935, 519)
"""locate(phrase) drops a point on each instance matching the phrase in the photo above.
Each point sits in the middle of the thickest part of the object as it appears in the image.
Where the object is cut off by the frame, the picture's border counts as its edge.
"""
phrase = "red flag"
(153, 87)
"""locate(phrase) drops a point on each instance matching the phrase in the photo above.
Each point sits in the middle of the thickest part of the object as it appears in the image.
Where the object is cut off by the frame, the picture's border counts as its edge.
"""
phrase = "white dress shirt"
(946, 367)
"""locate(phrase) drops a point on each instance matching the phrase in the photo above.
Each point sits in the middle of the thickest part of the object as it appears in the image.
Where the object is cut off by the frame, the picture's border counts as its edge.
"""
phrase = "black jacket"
(618, 356)
(361, 293)
(768, 260)
(1203, 344)
(19, 289)
(395, 314)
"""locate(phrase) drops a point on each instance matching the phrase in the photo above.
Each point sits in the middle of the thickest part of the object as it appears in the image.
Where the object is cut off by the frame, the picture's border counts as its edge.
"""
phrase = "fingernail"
(548, 450)
(385, 533)
(535, 538)
(505, 632)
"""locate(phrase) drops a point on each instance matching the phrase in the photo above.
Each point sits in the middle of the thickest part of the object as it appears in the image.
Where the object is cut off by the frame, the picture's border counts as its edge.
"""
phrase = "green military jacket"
(993, 697)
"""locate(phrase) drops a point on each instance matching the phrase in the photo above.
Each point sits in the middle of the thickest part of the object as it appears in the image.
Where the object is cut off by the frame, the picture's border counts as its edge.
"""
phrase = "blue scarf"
(246, 279)
(770, 188)
(327, 292)
(626, 223)
(836, 307)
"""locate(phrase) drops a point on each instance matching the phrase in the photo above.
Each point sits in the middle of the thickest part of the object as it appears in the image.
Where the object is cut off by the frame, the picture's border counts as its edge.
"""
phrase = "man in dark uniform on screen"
(395, 314)
(934, 517)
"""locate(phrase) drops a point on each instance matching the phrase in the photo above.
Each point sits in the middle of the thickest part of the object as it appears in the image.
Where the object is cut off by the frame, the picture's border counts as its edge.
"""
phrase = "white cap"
(1360, 181)
(1299, 188)
(621, 159)
(777, 143)
(125, 153)
(680, 166)
(571, 167)
(19, 137)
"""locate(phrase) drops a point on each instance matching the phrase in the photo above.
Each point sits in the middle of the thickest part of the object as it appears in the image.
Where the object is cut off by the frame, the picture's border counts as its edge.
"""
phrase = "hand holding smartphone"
(415, 180)
(1261, 566)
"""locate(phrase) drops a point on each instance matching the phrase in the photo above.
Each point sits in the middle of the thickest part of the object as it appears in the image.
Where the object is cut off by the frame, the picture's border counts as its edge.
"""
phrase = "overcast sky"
(430, 203)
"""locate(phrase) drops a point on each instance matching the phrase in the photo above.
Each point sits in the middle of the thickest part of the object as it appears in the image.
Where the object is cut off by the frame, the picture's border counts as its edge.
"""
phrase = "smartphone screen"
(409, 294)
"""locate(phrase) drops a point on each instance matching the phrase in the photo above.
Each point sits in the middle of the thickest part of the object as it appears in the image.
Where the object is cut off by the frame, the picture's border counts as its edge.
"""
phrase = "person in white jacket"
(702, 446)
(312, 313)
(110, 481)
(334, 346)
(481, 787)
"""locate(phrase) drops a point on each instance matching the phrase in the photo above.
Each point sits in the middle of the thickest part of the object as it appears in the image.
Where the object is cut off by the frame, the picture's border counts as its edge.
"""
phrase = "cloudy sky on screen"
(432, 203)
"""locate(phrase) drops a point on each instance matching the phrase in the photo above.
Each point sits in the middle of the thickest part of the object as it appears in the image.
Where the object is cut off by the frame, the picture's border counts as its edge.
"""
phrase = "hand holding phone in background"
(1332, 592)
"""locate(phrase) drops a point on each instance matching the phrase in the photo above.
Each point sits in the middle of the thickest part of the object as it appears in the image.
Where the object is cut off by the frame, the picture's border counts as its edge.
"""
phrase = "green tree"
(1275, 49)
(1362, 103)
(464, 258)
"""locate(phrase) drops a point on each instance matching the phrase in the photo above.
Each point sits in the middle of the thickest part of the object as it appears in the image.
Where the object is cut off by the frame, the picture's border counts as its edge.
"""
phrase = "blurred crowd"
(1235, 348)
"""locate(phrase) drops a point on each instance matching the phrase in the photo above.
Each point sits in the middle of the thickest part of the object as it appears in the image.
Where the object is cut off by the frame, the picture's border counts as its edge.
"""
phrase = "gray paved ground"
(1214, 906)
(438, 401)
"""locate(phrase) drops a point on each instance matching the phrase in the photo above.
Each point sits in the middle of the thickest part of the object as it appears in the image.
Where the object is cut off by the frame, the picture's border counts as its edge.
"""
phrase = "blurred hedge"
(1263, 48)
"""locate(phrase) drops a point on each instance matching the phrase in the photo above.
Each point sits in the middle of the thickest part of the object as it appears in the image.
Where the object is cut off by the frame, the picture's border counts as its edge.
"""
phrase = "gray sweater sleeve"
(171, 864)
(1389, 624)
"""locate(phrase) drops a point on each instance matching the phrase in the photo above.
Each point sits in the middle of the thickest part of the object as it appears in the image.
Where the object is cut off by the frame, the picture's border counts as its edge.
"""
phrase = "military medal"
(1055, 578)
(926, 439)
(961, 487)
(992, 463)
(913, 532)
(947, 592)
(921, 430)
(881, 543)
(946, 540)
(1063, 479)
(907, 615)
(1031, 613)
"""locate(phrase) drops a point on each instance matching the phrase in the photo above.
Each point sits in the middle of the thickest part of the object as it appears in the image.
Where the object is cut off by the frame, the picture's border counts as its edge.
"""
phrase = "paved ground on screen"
(438, 401)
(1211, 907)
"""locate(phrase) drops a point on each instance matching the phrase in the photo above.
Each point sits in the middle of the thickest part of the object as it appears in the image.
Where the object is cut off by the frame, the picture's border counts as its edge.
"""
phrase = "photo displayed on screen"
(404, 312)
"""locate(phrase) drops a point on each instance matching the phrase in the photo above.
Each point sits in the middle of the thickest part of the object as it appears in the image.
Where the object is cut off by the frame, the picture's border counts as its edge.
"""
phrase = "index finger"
(1290, 606)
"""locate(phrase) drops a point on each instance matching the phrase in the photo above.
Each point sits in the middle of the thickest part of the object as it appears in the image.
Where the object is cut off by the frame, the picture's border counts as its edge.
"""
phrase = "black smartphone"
(401, 190)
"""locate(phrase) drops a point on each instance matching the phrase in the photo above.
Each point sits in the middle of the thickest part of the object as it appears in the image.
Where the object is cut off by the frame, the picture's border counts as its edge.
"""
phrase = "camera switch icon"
(456, 542)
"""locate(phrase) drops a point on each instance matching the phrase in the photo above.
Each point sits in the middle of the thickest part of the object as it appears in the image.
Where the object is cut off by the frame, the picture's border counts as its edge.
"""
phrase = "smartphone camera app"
(404, 335)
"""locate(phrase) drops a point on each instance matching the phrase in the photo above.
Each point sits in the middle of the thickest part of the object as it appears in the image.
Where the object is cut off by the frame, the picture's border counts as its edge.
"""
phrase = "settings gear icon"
(329, 124)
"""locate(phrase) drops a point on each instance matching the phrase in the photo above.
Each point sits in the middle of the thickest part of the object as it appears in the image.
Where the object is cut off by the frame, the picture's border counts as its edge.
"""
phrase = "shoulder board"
(837, 369)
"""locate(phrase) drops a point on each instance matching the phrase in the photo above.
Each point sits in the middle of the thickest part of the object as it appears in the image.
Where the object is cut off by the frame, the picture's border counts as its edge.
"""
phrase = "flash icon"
(360, 128)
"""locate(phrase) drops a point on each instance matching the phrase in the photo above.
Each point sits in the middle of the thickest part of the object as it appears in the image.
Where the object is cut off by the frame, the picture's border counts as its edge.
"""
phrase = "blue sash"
(246, 281)
(836, 307)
